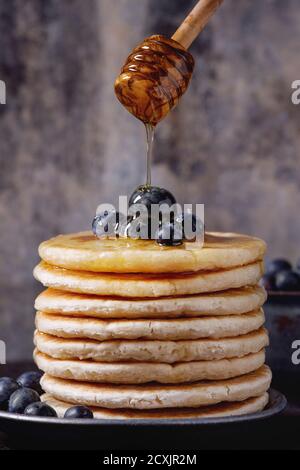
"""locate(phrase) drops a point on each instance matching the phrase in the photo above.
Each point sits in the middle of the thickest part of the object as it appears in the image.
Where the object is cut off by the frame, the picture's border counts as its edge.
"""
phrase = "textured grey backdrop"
(66, 144)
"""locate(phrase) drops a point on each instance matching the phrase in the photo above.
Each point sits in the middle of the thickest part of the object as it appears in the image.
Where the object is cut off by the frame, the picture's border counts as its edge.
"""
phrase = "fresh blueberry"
(31, 380)
(21, 398)
(106, 224)
(169, 235)
(7, 387)
(276, 265)
(40, 409)
(268, 281)
(148, 195)
(191, 225)
(79, 412)
(287, 281)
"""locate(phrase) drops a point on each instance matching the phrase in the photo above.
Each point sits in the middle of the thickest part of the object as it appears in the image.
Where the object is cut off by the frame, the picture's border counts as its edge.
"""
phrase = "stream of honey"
(150, 140)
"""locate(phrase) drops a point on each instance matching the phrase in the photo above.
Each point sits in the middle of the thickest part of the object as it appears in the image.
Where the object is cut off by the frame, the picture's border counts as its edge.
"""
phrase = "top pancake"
(82, 251)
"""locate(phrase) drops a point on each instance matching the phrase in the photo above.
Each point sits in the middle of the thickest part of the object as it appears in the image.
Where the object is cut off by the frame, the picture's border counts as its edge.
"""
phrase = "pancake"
(159, 329)
(145, 372)
(252, 405)
(155, 396)
(151, 351)
(235, 301)
(147, 285)
(84, 252)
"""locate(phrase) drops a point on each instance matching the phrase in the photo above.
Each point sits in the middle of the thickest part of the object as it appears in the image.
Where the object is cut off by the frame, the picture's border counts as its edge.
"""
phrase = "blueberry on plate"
(31, 380)
(7, 387)
(79, 412)
(21, 398)
(40, 409)
(287, 281)
(105, 224)
(169, 234)
(268, 281)
(276, 265)
(148, 195)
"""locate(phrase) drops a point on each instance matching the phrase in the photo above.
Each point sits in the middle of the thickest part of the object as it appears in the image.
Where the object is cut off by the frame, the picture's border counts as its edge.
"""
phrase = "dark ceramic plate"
(43, 433)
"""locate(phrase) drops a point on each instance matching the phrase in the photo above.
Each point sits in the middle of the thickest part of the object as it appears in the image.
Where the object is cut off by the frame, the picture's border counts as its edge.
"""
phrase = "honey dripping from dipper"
(154, 77)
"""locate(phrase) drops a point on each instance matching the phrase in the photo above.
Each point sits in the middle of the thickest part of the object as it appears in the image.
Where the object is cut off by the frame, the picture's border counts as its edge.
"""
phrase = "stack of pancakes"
(135, 330)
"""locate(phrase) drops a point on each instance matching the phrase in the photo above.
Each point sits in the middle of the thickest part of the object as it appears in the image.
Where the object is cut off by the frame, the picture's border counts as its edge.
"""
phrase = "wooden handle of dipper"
(195, 22)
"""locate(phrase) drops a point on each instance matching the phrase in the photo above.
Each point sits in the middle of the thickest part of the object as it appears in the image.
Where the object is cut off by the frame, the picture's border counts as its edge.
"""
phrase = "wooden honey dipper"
(158, 71)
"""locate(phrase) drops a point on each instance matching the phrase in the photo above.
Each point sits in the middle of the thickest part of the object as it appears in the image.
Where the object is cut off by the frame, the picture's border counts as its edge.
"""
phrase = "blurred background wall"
(66, 144)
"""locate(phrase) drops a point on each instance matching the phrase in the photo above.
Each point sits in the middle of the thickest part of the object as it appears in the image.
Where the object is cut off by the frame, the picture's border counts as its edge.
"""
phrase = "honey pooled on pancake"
(154, 77)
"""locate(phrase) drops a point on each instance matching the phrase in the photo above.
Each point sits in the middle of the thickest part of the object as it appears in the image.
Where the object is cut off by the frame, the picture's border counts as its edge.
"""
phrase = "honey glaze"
(154, 77)
(150, 141)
